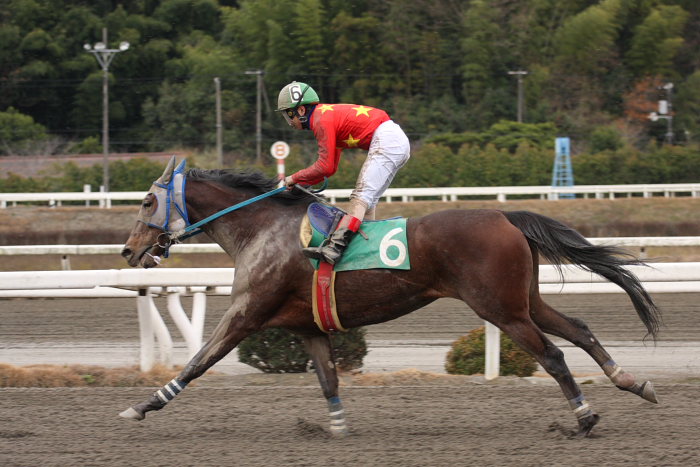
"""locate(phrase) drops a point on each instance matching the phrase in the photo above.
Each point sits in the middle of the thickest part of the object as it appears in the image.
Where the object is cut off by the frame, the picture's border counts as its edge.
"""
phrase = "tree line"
(595, 71)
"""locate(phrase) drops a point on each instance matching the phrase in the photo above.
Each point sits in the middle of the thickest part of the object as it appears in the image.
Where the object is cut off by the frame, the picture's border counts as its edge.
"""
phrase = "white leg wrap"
(580, 407)
(337, 414)
(170, 390)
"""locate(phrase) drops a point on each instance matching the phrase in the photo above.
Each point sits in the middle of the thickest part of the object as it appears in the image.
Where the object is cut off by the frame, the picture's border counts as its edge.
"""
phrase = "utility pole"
(219, 128)
(258, 115)
(104, 57)
(519, 74)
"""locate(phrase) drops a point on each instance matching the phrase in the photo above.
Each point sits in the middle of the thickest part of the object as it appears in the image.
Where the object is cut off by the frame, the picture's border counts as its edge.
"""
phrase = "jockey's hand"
(288, 182)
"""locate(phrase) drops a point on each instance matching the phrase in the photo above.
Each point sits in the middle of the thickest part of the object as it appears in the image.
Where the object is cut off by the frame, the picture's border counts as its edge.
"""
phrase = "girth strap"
(323, 299)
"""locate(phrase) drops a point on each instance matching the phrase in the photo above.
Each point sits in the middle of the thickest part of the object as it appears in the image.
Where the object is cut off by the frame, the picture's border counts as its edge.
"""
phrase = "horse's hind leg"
(524, 332)
(319, 348)
(577, 332)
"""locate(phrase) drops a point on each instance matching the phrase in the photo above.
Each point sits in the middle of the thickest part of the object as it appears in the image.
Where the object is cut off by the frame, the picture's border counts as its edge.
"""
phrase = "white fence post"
(199, 306)
(165, 342)
(151, 328)
(87, 189)
(492, 351)
(191, 331)
(143, 306)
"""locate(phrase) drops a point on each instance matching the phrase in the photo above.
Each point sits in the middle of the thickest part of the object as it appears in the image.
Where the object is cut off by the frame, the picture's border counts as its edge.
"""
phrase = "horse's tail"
(558, 243)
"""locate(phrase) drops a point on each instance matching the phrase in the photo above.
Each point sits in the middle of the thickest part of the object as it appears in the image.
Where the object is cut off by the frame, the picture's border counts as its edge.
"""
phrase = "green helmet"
(295, 94)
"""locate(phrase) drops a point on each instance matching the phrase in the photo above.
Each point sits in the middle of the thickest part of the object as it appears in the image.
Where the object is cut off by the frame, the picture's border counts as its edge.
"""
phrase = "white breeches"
(388, 152)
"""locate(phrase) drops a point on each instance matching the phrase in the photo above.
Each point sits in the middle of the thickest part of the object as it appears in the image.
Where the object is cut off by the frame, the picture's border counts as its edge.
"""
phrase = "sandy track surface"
(282, 420)
(510, 422)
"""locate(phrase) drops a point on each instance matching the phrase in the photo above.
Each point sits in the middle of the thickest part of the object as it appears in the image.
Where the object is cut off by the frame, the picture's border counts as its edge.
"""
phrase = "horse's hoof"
(132, 414)
(647, 392)
(585, 425)
(339, 432)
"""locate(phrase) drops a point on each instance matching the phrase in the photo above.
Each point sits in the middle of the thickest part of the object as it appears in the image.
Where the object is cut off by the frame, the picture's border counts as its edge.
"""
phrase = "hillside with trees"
(595, 71)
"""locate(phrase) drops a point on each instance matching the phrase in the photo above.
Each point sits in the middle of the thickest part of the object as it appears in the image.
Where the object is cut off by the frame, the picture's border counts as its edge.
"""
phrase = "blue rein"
(194, 229)
(178, 199)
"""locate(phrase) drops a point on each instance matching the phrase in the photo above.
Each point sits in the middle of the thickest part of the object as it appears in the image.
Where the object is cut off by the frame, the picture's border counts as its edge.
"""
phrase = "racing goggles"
(289, 115)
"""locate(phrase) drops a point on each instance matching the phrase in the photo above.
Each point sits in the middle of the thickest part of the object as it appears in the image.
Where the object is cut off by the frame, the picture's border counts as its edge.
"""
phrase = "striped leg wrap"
(616, 374)
(580, 407)
(337, 414)
(170, 390)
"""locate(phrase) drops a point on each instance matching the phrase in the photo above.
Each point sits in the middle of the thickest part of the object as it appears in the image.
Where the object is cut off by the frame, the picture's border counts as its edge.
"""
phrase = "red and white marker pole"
(280, 169)
(280, 151)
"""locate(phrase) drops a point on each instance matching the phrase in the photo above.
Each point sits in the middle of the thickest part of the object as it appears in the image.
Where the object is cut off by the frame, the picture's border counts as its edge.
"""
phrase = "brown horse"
(487, 258)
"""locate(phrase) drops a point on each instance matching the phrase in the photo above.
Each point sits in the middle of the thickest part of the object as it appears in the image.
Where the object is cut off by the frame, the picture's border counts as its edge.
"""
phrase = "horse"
(487, 258)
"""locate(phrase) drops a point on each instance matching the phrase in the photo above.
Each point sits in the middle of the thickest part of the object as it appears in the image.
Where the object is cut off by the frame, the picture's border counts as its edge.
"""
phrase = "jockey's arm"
(326, 164)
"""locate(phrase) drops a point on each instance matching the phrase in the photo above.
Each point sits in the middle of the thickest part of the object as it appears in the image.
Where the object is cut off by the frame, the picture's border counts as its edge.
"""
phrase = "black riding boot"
(332, 249)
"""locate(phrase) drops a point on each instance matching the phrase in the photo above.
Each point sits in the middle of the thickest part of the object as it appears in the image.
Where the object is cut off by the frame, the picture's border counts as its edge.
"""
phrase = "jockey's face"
(292, 116)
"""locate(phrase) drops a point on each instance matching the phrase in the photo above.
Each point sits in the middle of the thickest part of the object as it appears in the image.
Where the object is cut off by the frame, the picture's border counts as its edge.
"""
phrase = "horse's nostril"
(126, 252)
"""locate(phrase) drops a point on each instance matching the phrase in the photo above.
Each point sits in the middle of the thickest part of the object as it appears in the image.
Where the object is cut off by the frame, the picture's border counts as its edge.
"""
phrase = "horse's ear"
(181, 167)
(168, 172)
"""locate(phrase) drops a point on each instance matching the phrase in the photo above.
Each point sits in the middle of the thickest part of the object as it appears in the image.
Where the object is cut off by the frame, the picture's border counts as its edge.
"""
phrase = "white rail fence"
(106, 249)
(103, 199)
(174, 282)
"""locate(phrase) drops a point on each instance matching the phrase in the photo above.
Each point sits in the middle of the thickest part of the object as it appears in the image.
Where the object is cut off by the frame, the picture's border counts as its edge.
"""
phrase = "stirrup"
(321, 253)
(313, 252)
(332, 249)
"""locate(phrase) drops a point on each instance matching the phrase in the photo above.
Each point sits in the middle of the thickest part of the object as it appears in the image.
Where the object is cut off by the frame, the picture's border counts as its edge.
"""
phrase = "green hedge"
(467, 356)
(279, 351)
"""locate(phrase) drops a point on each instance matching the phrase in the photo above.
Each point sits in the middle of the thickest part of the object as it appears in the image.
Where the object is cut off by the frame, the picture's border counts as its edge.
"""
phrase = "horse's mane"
(249, 179)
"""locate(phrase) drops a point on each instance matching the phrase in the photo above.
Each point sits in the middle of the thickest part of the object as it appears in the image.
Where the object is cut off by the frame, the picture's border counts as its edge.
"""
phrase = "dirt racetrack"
(409, 420)
(217, 423)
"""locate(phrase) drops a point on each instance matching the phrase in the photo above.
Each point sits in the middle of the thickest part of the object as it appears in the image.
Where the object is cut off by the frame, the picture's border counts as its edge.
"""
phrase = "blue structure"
(563, 174)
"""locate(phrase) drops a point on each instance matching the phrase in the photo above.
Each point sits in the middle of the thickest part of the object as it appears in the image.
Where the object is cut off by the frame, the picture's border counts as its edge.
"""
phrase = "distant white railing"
(144, 283)
(393, 194)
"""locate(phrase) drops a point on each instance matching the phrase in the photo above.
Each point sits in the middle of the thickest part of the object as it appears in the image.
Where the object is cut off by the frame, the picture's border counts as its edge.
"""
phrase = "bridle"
(171, 211)
(172, 194)
(171, 201)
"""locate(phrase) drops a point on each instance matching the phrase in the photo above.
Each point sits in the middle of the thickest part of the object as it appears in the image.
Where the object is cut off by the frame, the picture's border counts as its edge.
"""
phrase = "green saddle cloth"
(385, 247)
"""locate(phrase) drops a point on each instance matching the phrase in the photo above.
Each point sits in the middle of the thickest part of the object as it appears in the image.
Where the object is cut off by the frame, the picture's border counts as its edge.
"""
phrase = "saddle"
(379, 245)
(324, 218)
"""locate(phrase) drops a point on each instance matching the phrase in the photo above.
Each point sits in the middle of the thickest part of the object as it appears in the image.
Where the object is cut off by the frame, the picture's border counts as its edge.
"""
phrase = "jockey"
(336, 127)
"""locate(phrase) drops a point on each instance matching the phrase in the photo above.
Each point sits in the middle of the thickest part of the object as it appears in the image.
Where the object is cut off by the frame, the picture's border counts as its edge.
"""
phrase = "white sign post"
(280, 151)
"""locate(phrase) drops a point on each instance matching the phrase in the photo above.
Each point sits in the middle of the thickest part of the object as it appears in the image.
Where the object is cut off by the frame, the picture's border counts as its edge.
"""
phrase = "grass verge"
(51, 376)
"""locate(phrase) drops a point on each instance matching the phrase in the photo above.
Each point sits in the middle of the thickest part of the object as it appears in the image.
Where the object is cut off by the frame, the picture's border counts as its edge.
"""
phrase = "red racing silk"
(336, 127)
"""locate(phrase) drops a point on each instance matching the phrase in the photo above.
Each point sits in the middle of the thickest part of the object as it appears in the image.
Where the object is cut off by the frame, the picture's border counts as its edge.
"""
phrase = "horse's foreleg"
(227, 335)
(577, 332)
(319, 347)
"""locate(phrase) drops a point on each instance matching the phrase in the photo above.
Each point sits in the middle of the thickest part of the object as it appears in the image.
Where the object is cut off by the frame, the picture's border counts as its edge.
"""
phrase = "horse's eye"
(147, 204)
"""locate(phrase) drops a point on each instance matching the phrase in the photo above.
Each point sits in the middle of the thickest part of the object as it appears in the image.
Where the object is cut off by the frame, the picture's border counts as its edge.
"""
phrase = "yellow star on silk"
(325, 107)
(351, 142)
(362, 110)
